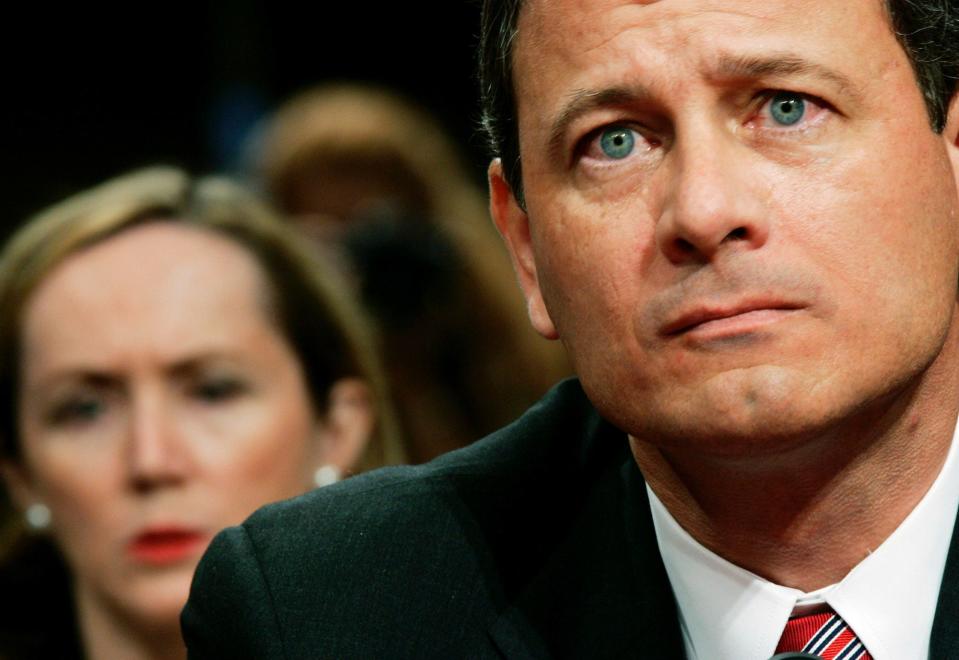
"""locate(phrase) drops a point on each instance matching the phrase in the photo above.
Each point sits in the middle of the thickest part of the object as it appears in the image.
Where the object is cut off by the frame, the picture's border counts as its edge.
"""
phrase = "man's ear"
(513, 224)
(951, 133)
(347, 425)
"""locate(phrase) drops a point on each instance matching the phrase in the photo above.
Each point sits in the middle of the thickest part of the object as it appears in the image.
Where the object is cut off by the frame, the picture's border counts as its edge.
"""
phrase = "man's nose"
(713, 201)
(157, 453)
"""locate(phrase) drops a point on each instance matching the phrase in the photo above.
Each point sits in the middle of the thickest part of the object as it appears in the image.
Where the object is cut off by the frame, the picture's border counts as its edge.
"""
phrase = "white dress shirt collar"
(889, 599)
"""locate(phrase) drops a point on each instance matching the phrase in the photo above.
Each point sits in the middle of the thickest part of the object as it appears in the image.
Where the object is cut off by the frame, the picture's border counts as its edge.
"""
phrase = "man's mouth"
(720, 321)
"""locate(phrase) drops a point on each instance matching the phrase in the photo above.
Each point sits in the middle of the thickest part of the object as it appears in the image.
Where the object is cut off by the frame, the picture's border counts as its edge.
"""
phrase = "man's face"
(739, 220)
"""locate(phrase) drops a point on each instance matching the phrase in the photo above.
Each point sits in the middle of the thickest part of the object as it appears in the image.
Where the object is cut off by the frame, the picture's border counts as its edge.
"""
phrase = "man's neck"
(805, 517)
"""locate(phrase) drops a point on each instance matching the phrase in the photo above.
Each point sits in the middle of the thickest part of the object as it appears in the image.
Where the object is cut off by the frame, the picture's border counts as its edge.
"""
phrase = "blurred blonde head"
(342, 130)
(171, 358)
(336, 152)
(325, 329)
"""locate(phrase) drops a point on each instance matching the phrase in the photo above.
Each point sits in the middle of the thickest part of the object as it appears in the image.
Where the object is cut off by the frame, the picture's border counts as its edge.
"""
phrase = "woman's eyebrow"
(198, 361)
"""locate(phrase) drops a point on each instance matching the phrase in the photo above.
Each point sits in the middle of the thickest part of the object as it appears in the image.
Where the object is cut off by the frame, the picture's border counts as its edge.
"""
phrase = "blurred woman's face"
(158, 405)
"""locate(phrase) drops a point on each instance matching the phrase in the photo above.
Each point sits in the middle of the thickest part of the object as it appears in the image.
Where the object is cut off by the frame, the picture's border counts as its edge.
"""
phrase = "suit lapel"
(604, 592)
(945, 627)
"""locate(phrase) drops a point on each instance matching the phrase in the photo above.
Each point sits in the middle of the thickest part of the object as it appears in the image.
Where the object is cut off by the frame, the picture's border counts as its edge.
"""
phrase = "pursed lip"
(699, 315)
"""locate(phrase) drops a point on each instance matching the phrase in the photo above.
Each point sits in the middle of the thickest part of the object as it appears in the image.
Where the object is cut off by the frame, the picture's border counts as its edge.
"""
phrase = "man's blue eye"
(617, 142)
(787, 108)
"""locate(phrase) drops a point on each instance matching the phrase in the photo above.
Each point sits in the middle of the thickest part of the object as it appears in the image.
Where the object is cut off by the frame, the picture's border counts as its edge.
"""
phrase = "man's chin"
(752, 412)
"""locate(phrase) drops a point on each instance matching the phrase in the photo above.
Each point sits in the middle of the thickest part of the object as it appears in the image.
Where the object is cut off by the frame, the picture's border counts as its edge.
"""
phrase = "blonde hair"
(328, 334)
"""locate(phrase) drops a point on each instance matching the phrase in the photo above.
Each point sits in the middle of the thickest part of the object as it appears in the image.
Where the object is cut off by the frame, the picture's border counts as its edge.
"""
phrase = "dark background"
(89, 92)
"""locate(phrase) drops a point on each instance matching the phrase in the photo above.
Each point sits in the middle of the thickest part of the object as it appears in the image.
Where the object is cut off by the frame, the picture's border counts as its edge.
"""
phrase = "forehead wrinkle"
(780, 64)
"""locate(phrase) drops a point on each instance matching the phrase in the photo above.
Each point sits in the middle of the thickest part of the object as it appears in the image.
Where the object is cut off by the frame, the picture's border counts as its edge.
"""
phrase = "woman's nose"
(157, 455)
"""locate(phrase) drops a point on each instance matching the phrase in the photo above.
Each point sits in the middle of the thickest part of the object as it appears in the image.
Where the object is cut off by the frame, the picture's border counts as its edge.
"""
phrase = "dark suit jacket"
(535, 542)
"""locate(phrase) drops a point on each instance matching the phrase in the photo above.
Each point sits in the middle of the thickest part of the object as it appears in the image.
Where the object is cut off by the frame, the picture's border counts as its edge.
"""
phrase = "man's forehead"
(716, 13)
(606, 31)
(571, 56)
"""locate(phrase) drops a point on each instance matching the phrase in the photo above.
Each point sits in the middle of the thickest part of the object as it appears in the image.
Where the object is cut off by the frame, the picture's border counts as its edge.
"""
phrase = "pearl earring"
(326, 475)
(37, 516)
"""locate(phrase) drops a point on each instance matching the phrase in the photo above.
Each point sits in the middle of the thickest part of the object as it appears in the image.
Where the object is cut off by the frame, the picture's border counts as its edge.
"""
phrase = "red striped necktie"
(824, 634)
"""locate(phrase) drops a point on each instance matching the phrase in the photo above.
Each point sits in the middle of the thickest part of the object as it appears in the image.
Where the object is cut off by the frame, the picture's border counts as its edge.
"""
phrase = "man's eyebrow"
(781, 65)
(583, 101)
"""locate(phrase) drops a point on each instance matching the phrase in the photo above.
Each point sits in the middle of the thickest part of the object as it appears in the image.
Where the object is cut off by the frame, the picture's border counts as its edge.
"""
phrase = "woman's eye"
(787, 108)
(214, 391)
(617, 142)
(80, 410)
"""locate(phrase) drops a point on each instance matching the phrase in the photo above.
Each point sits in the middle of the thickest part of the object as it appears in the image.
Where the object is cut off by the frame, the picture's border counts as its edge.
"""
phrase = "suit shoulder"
(434, 551)
(503, 476)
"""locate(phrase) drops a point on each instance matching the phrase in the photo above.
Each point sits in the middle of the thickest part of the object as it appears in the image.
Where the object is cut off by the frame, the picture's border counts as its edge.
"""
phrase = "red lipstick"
(161, 546)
